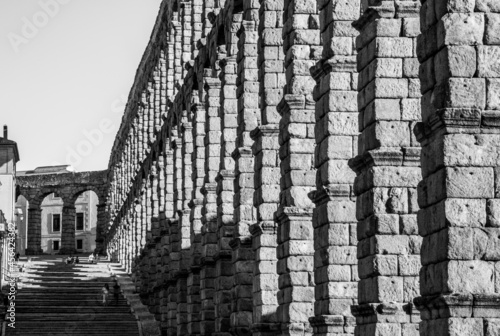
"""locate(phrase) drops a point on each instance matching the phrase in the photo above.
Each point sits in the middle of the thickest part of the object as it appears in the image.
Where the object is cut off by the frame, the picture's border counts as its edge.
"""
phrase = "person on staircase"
(105, 294)
(91, 258)
(116, 292)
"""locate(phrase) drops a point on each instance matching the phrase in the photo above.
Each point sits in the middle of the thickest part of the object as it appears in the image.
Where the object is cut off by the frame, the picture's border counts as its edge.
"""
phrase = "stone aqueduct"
(326, 167)
(69, 187)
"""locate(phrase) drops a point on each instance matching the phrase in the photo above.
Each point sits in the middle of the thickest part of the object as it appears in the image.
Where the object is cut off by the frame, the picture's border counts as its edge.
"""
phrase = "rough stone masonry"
(314, 167)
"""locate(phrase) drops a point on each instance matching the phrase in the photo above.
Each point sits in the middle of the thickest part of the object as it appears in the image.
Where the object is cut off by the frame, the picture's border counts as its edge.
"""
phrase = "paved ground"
(59, 299)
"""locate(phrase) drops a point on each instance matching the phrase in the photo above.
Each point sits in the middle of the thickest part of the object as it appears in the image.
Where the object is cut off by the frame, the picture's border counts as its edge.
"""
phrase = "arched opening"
(221, 38)
(86, 219)
(21, 219)
(51, 224)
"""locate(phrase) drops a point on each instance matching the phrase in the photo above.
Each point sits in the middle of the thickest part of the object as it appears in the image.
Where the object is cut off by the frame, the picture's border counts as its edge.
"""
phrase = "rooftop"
(7, 142)
(62, 169)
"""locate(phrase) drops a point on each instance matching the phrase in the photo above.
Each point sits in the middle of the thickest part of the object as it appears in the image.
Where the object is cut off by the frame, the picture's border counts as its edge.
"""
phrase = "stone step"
(76, 331)
(60, 291)
(59, 299)
(69, 303)
(51, 298)
(65, 268)
(68, 309)
(46, 317)
(68, 275)
(120, 324)
(61, 294)
(67, 284)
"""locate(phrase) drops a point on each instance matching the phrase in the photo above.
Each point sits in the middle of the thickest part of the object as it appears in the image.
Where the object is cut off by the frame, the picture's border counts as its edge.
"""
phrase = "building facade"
(9, 156)
(313, 167)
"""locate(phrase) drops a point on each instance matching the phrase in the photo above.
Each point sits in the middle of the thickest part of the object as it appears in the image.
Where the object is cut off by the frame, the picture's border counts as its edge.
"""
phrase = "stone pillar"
(165, 236)
(459, 54)
(194, 298)
(143, 110)
(176, 143)
(187, 190)
(161, 191)
(154, 202)
(387, 169)
(265, 279)
(160, 265)
(225, 195)
(145, 218)
(301, 40)
(185, 225)
(174, 258)
(136, 234)
(34, 231)
(124, 241)
(207, 9)
(159, 280)
(170, 61)
(334, 219)
(152, 262)
(266, 167)
(68, 230)
(173, 223)
(150, 108)
(197, 10)
(209, 229)
(121, 245)
(182, 303)
(129, 239)
(244, 211)
(177, 54)
(186, 34)
(101, 225)
(160, 98)
(169, 184)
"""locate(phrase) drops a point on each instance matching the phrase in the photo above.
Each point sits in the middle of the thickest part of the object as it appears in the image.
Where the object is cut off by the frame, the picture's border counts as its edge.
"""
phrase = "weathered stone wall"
(300, 167)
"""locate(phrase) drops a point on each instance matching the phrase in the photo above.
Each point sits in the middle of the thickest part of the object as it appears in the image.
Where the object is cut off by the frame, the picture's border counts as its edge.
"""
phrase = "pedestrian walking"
(105, 294)
(91, 258)
(116, 292)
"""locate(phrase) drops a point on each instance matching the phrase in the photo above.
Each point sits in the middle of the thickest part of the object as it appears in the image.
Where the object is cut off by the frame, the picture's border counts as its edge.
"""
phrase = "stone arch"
(36, 202)
(99, 191)
(68, 186)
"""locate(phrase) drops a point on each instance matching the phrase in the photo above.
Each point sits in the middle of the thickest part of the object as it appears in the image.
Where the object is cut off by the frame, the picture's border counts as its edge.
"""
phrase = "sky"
(66, 68)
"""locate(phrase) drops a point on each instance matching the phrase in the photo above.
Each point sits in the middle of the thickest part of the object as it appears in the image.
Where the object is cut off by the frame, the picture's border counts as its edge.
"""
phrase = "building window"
(79, 221)
(56, 222)
(79, 244)
(55, 245)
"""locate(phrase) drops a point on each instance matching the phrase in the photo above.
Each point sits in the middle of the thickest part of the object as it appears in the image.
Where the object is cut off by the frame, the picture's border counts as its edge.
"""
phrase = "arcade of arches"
(69, 186)
(326, 167)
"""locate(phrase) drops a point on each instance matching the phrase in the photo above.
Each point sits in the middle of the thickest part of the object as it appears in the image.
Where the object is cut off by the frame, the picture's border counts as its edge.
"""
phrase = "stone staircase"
(59, 299)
